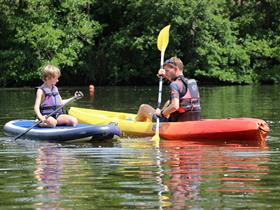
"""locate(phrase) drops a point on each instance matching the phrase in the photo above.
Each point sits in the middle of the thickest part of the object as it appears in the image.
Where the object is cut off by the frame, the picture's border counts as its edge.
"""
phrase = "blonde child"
(48, 99)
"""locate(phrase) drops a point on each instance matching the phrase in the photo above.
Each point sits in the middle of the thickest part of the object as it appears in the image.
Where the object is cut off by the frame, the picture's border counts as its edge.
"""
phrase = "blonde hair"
(50, 71)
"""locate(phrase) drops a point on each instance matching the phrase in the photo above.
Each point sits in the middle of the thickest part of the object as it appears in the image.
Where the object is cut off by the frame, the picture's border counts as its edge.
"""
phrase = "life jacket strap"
(49, 107)
(51, 94)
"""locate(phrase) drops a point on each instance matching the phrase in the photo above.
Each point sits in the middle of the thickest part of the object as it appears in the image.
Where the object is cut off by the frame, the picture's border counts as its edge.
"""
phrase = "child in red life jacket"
(48, 99)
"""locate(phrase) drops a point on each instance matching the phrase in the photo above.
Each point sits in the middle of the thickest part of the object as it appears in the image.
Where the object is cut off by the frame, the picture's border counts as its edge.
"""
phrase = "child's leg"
(65, 119)
(49, 123)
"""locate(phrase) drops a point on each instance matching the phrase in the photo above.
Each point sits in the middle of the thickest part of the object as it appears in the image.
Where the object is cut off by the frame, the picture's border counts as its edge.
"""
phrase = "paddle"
(77, 96)
(162, 42)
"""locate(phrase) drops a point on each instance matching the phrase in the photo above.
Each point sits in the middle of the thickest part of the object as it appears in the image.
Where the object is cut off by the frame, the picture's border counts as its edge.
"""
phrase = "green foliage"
(218, 54)
(45, 32)
(114, 41)
(258, 26)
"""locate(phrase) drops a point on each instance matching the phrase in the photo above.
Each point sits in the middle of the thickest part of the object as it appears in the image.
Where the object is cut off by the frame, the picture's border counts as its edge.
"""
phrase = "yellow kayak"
(126, 122)
(245, 129)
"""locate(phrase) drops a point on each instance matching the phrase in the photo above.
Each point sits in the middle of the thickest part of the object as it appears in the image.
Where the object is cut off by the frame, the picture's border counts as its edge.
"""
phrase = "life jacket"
(191, 100)
(52, 100)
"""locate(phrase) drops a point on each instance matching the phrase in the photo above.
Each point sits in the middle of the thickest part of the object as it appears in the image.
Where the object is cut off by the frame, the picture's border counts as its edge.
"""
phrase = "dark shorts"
(161, 119)
(186, 116)
(56, 115)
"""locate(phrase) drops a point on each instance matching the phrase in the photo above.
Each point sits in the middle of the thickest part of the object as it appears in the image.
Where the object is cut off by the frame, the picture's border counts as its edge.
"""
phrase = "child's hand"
(78, 94)
(43, 118)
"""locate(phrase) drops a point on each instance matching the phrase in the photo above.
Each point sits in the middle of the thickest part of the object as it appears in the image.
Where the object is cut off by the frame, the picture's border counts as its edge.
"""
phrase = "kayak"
(206, 129)
(81, 132)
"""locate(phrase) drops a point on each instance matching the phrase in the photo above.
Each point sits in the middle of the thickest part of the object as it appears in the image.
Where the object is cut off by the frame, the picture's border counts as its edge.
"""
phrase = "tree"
(258, 28)
(40, 32)
(114, 41)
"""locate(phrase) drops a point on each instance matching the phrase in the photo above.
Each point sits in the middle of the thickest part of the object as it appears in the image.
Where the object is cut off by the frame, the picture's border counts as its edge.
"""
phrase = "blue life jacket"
(52, 100)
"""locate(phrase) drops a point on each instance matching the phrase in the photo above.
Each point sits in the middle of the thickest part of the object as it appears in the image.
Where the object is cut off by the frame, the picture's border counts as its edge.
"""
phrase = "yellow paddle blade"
(156, 139)
(163, 38)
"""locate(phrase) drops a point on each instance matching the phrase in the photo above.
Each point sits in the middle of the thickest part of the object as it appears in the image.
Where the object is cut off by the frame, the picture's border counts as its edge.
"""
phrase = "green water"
(130, 173)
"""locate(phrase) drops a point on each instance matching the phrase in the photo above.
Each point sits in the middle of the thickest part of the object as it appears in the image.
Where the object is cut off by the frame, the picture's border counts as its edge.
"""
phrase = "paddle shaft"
(159, 92)
(160, 81)
(55, 111)
(162, 43)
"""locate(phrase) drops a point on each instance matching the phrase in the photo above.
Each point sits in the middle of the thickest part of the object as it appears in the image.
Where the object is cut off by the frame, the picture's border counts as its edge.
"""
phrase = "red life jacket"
(52, 100)
(191, 100)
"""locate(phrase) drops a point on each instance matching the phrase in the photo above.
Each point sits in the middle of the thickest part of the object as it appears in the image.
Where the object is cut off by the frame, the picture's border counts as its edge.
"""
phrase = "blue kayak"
(81, 132)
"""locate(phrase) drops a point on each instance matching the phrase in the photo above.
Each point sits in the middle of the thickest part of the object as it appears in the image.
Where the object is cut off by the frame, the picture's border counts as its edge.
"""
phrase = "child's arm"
(78, 94)
(66, 100)
(37, 104)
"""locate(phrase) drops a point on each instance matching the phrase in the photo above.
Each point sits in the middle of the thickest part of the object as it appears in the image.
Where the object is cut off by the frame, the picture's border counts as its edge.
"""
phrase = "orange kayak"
(208, 129)
(217, 129)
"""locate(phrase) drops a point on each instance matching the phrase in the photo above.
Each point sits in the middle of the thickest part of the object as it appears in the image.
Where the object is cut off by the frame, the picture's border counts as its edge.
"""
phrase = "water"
(130, 173)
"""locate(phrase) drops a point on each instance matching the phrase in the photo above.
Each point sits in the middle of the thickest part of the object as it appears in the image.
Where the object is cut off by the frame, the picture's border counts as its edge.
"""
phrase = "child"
(48, 99)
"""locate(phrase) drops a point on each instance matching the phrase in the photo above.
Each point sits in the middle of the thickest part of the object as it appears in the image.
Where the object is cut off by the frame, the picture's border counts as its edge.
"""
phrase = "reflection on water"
(188, 171)
(131, 173)
(49, 165)
(229, 168)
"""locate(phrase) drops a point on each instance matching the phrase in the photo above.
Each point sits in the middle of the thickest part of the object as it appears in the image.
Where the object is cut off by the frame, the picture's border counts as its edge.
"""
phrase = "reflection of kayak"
(61, 133)
(209, 129)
